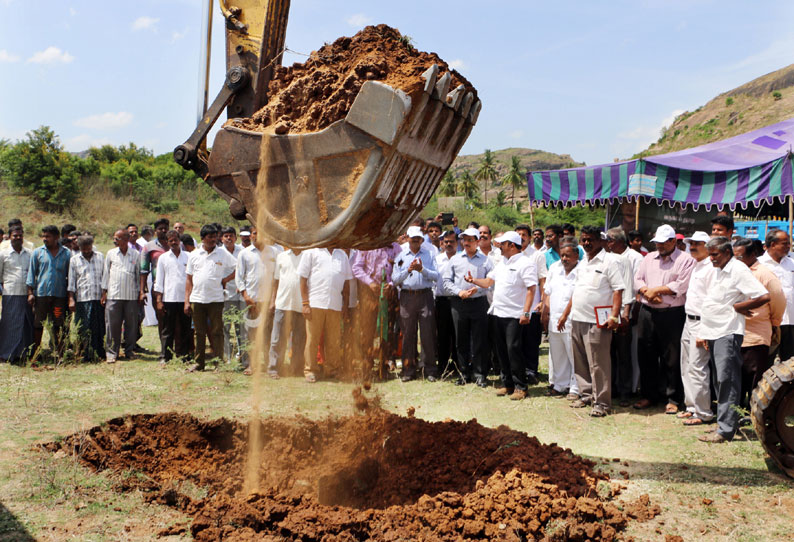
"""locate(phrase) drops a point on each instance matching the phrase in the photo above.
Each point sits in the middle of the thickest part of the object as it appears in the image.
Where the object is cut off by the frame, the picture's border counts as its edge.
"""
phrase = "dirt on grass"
(310, 96)
(372, 476)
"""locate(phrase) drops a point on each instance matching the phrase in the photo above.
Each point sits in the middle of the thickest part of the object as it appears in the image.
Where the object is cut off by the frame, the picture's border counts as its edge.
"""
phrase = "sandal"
(684, 414)
(671, 409)
(310, 378)
(694, 420)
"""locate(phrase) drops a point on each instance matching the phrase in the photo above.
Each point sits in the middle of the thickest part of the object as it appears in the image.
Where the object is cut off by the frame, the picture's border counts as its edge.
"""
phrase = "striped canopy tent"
(743, 171)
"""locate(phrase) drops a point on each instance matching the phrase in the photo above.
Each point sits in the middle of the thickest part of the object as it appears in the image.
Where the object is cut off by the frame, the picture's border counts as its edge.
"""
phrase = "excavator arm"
(356, 183)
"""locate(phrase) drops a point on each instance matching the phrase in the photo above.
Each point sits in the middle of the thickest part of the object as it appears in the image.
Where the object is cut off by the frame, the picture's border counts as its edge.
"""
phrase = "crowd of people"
(689, 325)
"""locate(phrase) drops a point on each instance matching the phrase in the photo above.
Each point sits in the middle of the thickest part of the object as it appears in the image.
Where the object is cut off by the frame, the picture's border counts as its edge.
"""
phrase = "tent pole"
(790, 215)
(637, 214)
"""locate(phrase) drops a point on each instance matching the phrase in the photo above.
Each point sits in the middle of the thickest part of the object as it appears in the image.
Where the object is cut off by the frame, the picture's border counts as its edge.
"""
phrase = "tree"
(501, 199)
(449, 185)
(39, 167)
(468, 185)
(515, 177)
(486, 171)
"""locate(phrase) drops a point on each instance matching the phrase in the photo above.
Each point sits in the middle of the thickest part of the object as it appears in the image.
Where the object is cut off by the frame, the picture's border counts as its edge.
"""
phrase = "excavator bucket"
(356, 184)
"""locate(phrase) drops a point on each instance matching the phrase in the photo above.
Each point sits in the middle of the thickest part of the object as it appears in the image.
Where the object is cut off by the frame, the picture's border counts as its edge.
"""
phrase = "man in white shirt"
(289, 326)
(85, 293)
(695, 372)
(514, 280)
(16, 319)
(209, 269)
(233, 303)
(445, 328)
(533, 332)
(779, 260)
(732, 294)
(599, 284)
(121, 296)
(558, 290)
(324, 287)
(169, 299)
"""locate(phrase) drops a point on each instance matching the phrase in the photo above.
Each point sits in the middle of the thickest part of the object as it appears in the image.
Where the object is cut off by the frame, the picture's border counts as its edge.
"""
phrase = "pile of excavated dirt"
(373, 476)
(310, 96)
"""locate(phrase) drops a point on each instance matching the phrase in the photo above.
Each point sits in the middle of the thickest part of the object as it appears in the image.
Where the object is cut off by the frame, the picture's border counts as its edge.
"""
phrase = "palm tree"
(486, 172)
(515, 177)
(467, 185)
(501, 198)
(449, 185)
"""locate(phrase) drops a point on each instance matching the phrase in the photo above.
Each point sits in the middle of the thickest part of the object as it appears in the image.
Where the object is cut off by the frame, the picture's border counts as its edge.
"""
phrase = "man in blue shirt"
(414, 272)
(48, 277)
(469, 308)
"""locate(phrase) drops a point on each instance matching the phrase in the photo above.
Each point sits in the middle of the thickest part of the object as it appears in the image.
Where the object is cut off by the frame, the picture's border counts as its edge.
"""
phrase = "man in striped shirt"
(85, 292)
(121, 296)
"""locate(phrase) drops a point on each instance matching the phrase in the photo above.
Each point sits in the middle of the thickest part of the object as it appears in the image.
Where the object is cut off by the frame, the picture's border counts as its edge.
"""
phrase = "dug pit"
(372, 476)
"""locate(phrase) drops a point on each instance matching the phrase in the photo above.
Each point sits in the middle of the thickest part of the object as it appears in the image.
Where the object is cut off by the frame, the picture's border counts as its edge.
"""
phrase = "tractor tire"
(772, 413)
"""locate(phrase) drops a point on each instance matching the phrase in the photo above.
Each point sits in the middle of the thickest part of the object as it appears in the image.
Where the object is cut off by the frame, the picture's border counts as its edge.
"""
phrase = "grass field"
(46, 497)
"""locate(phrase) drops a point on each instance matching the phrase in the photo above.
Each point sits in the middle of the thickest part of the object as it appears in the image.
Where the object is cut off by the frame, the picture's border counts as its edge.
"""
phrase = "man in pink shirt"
(661, 283)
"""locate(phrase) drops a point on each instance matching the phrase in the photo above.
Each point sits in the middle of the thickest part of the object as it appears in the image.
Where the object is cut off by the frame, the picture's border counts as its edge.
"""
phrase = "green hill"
(761, 102)
(531, 159)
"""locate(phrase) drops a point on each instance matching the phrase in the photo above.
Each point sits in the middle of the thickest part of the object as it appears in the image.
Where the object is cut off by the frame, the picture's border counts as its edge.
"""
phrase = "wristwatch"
(527, 315)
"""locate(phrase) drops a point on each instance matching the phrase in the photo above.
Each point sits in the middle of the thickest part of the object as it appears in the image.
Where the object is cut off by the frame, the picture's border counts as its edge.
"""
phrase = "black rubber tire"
(776, 391)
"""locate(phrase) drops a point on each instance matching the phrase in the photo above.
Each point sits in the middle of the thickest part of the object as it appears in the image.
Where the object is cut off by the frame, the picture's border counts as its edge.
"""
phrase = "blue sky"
(594, 79)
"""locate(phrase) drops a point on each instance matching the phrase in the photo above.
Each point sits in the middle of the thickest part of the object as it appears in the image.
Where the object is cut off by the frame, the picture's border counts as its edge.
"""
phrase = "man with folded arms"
(85, 294)
(599, 283)
(778, 259)
(415, 274)
(732, 295)
(514, 280)
(695, 369)
(122, 296)
(469, 308)
(661, 282)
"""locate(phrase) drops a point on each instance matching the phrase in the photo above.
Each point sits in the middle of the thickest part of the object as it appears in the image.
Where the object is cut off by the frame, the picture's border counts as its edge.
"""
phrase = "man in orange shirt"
(763, 327)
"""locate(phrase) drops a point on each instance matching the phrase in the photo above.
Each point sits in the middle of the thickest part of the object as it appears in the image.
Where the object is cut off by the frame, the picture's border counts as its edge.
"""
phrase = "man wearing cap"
(661, 282)
(778, 259)
(514, 280)
(469, 308)
(415, 274)
(533, 332)
(695, 371)
(245, 236)
(732, 295)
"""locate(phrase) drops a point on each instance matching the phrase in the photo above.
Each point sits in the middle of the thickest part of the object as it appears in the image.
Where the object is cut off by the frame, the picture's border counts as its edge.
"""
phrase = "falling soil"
(372, 476)
(310, 96)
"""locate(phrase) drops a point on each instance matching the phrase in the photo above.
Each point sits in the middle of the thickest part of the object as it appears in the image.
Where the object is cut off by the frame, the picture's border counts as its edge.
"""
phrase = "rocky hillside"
(763, 101)
(531, 159)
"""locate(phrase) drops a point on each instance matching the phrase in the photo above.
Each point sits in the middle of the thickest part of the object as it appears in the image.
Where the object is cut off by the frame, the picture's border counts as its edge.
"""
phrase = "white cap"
(245, 233)
(471, 232)
(665, 232)
(511, 236)
(698, 236)
(415, 231)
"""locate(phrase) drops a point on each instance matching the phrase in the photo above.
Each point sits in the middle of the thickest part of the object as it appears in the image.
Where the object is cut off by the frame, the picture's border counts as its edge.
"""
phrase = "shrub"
(777, 95)
(729, 101)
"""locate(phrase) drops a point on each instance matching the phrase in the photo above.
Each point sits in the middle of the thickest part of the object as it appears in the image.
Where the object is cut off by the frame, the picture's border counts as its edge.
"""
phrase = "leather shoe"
(406, 378)
(502, 392)
(532, 379)
(460, 381)
(481, 382)
(431, 378)
(712, 438)
(518, 395)
(642, 404)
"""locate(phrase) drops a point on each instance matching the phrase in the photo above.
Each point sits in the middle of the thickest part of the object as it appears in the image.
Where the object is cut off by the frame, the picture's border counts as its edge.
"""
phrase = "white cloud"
(51, 55)
(177, 35)
(359, 19)
(516, 134)
(105, 121)
(457, 64)
(145, 23)
(83, 142)
(5, 56)
(640, 137)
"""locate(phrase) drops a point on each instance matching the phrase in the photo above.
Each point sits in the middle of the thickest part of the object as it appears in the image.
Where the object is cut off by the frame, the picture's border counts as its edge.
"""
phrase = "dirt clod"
(310, 96)
(377, 477)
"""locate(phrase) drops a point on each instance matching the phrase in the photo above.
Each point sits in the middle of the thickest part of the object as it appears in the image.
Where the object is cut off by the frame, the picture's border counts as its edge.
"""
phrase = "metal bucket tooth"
(455, 97)
(475, 112)
(430, 75)
(442, 86)
(466, 106)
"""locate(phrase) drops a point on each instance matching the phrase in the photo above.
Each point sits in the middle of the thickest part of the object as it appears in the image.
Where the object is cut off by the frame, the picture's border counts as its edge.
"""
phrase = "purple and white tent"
(743, 171)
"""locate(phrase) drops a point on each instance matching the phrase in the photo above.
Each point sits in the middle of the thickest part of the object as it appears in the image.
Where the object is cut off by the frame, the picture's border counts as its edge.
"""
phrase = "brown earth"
(310, 96)
(374, 476)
